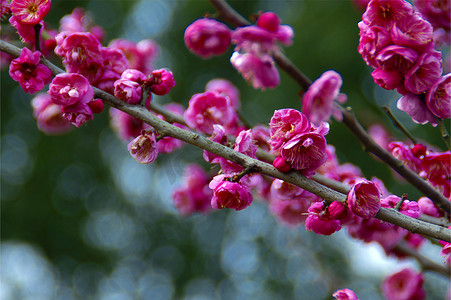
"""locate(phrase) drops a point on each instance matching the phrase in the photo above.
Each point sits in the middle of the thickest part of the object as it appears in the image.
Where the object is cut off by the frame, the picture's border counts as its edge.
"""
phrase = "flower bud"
(337, 210)
(269, 21)
(162, 82)
(144, 148)
(96, 106)
(364, 199)
(207, 37)
(281, 165)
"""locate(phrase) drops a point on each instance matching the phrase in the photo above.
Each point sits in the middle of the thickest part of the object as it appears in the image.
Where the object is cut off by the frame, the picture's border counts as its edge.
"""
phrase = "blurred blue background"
(82, 220)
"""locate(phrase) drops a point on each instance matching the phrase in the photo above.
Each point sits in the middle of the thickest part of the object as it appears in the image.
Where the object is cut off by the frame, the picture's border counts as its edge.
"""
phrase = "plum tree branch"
(327, 194)
(229, 14)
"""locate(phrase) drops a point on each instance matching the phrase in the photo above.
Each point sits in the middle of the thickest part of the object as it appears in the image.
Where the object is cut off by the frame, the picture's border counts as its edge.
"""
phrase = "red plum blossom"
(438, 97)
(144, 148)
(29, 72)
(227, 88)
(364, 199)
(318, 101)
(70, 88)
(207, 37)
(48, 115)
(285, 124)
(319, 221)
(406, 284)
(207, 109)
(229, 194)
(30, 12)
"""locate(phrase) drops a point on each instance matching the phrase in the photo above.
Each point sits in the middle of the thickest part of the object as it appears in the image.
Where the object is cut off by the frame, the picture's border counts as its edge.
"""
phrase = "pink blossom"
(404, 153)
(29, 72)
(49, 116)
(4, 8)
(428, 207)
(284, 191)
(78, 49)
(446, 252)
(207, 37)
(78, 113)
(194, 195)
(416, 108)
(437, 166)
(364, 199)
(319, 220)
(318, 101)
(128, 91)
(424, 73)
(415, 33)
(260, 71)
(394, 62)
(207, 109)
(386, 13)
(27, 32)
(291, 212)
(161, 81)
(114, 64)
(435, 11)
(144, 148)
(345, 294)
(285, 124)
(80, 21)
(305, 152)
(227, 88)
(30, 11)
(406, 284)
(126, 126)
(244, 143)
(229, 194)
(261, 136)
(438, 97)
(70, 88)
(218, 136)
(140, 55)
(372, 40)
(408, 208)
(263, 37)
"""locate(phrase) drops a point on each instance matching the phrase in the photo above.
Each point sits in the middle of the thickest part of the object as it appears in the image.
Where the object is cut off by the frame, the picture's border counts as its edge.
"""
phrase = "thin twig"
(443, 132)
(426, 263)
(413, 178)
(398, 124)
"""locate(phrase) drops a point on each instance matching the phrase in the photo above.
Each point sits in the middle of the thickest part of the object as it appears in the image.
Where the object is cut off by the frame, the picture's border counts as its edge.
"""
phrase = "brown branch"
(232, 16)
(327, 194)
(426, 263)
(413, 178)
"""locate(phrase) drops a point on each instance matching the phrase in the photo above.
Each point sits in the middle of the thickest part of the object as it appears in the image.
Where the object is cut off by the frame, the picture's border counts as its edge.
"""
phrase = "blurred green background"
(82, 220)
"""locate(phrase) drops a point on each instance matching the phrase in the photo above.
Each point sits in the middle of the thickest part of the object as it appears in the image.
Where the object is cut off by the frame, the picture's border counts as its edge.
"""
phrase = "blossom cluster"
(254, 46)
(399, 44)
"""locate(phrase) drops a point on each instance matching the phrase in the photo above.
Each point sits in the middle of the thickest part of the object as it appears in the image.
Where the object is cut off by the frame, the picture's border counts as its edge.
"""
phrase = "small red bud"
(418, 150)
(337, 210)
(281, 165)
(269, 21)
(96, 106)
